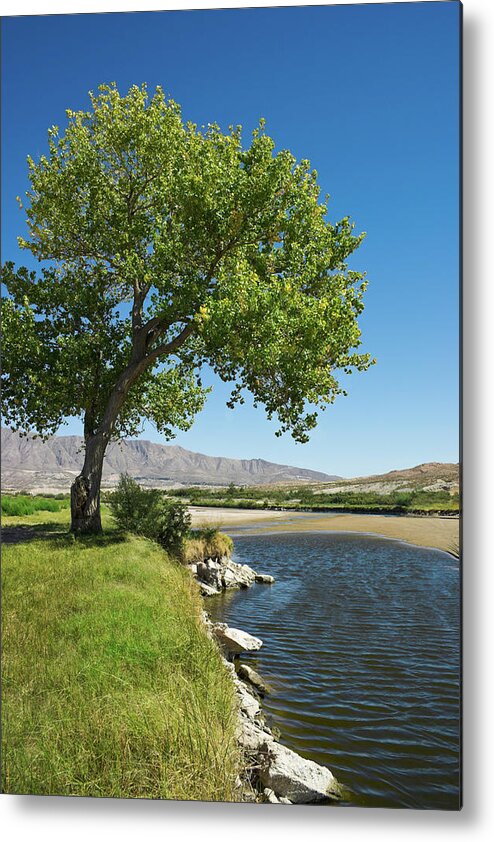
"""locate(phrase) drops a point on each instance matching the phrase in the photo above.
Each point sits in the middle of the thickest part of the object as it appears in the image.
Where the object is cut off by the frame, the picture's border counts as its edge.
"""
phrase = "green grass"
(110, 685)
(20, 505)
(54, 521)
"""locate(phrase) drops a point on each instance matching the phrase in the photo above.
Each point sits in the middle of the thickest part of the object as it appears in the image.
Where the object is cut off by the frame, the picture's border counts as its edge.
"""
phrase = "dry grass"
(208, 542)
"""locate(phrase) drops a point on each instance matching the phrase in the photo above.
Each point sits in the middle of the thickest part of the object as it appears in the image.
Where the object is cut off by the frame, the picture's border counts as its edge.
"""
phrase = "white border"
(54, 819)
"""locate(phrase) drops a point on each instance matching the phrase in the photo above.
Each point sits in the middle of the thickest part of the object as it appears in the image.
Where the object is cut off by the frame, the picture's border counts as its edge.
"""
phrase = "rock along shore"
(272, 773)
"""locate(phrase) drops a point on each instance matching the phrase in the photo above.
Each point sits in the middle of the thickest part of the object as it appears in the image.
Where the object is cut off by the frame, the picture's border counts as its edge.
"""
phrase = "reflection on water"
(361, 648)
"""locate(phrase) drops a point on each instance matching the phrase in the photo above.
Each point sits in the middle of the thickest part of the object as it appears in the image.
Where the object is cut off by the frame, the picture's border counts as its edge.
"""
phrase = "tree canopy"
(167, 247)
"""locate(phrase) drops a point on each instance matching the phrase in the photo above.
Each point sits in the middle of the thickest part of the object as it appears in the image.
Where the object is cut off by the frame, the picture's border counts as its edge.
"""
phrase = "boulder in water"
(264, 579)
(236, 640)
(248, 674)
(207, 590)
(291, 776)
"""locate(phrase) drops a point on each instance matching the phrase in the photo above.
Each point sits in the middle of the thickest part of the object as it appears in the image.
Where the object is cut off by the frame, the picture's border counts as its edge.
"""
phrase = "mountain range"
(31, 464)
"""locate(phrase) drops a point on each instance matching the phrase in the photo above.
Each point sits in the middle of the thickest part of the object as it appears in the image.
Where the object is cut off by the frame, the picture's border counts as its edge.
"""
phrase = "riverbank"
(441, 533)
(111, 687)
(115, 683)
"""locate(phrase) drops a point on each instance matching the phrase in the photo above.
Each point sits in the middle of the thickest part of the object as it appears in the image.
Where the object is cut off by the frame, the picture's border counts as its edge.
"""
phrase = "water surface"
(361, 649)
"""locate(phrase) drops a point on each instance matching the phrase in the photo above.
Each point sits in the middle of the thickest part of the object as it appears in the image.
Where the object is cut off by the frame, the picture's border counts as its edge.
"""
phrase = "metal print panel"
(239, 230)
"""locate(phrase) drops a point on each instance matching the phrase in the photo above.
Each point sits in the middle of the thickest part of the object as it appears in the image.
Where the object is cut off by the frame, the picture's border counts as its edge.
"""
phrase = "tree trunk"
(85, 491)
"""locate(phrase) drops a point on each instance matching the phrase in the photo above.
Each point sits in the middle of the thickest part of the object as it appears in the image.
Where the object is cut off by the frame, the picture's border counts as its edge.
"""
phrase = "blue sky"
(369, 94)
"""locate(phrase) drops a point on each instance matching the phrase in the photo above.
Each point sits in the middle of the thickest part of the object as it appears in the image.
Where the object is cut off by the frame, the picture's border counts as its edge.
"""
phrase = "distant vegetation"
(304, 498)
(161, 512)
(19, 505)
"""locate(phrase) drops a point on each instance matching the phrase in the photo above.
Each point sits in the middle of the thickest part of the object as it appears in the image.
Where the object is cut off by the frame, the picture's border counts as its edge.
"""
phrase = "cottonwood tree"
(169, 247)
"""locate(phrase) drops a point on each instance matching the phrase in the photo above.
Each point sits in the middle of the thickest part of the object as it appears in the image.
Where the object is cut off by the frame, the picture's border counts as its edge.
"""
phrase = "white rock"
(237, 575)
(293, 777)
(211, 564)
(230, 667)
(270, 796)
(248, 702)
(216, 579)
(230, 579)
(224, 573)
(248, 674)
(248, 572)
(207, 590)
(210, 576)
(264, 579)
(251, 735)
(209, 572)
(236, 640)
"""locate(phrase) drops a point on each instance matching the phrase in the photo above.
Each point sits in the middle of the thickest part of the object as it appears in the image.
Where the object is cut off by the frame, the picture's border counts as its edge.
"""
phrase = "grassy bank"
(110, 685)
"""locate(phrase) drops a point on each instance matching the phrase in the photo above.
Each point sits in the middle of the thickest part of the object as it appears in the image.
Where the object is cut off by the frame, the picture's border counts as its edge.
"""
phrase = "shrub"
(170, 524)
(130, 504)
(147, 512)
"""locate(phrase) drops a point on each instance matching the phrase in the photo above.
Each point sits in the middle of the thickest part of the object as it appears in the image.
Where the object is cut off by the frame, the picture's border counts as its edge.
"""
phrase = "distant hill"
(429, 476)
(29, 464)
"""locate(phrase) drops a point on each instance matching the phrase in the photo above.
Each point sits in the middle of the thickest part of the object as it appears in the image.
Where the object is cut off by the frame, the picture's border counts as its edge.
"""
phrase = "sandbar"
(440, 533)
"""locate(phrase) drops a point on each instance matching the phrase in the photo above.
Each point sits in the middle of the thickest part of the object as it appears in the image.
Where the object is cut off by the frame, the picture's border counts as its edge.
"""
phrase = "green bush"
(147, 512)
(170, 525)
(129, 504)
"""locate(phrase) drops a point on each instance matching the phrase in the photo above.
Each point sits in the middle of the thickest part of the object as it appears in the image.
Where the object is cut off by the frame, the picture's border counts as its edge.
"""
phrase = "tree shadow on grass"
(20, 534)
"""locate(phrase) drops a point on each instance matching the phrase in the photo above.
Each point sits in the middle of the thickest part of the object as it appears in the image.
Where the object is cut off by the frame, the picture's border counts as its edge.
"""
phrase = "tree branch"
(131, 373)
(167, 348)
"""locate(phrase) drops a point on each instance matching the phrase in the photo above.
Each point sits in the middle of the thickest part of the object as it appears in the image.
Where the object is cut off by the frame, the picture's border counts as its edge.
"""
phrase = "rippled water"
(361, 648)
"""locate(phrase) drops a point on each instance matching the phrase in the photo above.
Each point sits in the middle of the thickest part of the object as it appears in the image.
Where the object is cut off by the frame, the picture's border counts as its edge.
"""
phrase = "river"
(361, 649)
